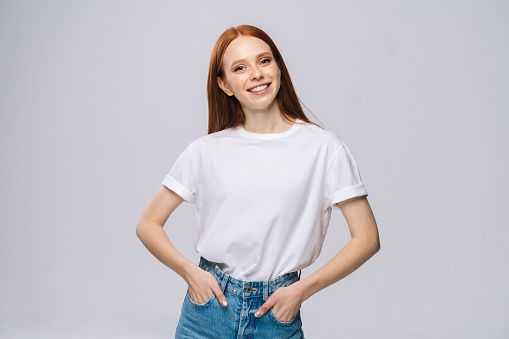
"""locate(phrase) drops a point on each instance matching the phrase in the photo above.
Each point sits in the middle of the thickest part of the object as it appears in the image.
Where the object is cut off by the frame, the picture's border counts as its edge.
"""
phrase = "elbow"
(145, 229)
(372, 243)
(139, 230)
(376, 245)
(375, 239)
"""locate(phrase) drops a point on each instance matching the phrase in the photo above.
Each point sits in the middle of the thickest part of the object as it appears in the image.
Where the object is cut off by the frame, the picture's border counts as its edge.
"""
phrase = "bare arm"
(362, 246)
(150, 231)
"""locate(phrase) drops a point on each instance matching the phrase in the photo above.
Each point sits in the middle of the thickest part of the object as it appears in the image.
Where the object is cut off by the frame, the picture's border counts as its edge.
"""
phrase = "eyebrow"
(243, 60)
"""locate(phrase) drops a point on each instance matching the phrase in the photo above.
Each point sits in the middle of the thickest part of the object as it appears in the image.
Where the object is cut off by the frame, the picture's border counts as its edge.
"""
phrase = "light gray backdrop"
(98, 98)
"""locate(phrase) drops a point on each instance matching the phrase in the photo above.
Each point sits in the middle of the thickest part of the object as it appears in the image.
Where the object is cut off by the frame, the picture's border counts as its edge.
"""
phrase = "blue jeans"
(237, 320)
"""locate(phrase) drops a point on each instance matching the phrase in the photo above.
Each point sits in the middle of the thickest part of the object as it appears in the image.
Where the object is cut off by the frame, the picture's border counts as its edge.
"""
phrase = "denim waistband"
(248, 289)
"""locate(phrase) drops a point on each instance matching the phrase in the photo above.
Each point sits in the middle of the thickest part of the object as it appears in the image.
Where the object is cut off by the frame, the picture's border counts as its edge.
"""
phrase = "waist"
(248, 288)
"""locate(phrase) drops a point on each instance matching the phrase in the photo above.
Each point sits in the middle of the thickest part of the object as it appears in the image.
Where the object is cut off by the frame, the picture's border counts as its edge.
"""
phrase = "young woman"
(264, 182)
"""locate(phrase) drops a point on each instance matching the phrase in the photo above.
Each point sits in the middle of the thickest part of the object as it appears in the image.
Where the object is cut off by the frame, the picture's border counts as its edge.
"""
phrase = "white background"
(98, 98)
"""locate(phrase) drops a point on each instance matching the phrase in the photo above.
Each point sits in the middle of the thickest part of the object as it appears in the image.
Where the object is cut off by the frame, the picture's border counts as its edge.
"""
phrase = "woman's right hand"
(202, 285)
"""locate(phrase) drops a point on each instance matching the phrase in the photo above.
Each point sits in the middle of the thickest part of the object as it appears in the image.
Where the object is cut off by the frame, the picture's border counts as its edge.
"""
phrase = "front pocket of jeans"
(282, 323)
(205, 304)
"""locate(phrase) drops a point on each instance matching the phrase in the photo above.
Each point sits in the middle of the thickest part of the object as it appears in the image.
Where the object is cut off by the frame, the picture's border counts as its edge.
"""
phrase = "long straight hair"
(225, 111)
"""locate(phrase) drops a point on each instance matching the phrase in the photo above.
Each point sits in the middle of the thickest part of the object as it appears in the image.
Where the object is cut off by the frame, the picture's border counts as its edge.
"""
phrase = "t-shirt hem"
(347, 193)
(178, 188)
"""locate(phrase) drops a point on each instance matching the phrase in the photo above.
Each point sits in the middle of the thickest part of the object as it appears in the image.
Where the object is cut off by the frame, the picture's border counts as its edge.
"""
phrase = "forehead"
(245, 47)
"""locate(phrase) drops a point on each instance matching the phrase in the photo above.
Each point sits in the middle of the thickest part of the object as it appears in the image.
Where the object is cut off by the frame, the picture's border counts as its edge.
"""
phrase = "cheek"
(276, 71)
(278, 77)
(236, 84)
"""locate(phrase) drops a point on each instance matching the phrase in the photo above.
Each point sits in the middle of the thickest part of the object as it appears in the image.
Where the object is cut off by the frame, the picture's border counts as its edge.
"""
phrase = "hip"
(237, 320)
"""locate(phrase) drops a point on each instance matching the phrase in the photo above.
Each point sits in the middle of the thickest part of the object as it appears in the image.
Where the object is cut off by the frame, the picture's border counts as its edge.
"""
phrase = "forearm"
(153, 236)
(355, 253)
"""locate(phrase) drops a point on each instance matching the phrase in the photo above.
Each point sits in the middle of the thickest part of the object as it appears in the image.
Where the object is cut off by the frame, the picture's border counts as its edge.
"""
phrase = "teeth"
(259, 88)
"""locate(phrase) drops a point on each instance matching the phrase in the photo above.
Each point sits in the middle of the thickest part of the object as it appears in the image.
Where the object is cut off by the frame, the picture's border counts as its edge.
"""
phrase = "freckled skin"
(248, 62)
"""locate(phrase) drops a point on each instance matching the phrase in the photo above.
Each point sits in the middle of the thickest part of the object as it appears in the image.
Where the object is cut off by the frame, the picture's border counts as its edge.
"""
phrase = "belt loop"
(224, 282)
(299, 274)
(265, 291)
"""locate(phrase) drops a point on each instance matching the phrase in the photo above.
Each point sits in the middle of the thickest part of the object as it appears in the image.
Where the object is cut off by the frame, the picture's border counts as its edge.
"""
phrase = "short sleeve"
(343, 177)
(181, 178)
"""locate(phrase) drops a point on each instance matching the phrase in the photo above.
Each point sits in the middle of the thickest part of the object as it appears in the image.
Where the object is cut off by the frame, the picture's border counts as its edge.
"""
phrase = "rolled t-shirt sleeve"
(181, 177)
(343, 177)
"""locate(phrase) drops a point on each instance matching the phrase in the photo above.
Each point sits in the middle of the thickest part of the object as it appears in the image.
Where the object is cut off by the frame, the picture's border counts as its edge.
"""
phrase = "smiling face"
(251, 74)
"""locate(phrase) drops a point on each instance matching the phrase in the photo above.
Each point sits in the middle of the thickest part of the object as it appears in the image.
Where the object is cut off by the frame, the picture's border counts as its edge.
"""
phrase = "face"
(250, 73)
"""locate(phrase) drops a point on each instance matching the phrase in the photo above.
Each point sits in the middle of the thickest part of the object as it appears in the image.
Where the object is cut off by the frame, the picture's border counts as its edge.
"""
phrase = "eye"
(238, 68)
(265, 61)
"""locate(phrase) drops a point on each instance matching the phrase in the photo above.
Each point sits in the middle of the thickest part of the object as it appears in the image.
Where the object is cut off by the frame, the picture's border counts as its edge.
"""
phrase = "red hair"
(225, 111)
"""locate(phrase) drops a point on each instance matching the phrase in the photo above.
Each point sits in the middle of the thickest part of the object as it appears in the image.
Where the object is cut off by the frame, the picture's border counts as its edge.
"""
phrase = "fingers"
(271, 301)
(203, 285)
(219, 295)
(217, 291)
(284, 305)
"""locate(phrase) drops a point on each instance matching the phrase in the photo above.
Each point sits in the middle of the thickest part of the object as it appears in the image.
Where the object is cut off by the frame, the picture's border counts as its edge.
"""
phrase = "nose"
(256, 73)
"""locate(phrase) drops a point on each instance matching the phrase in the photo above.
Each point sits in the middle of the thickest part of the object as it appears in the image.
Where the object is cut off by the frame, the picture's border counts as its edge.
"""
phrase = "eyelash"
(262, 61)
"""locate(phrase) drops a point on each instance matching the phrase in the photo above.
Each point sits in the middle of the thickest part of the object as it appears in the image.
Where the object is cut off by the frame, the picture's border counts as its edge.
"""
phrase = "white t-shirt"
(263, 201)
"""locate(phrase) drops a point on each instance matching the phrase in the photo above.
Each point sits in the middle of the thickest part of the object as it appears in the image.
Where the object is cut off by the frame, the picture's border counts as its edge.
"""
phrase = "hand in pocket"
(202, 286)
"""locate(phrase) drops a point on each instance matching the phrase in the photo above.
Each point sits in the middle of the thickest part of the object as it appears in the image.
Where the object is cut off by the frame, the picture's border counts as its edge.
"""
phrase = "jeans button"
(249, 289)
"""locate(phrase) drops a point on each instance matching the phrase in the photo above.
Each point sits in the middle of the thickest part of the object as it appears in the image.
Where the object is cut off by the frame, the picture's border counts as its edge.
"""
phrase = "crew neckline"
(269, 136)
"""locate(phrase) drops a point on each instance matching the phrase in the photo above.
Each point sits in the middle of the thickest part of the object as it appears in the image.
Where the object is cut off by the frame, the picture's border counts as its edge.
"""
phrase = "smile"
(258, 89)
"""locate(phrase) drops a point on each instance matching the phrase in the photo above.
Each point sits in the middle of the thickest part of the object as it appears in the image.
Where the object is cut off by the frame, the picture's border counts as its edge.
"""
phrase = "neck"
(269, 120)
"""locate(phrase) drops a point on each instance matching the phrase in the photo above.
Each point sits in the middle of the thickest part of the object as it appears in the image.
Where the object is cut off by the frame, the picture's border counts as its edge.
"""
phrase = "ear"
(224, 86)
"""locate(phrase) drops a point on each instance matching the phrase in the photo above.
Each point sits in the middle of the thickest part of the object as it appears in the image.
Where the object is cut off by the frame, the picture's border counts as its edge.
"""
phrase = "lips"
(258, 88)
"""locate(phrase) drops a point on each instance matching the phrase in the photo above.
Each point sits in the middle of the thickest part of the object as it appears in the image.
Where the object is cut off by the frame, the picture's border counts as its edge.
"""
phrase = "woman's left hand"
(285, 302)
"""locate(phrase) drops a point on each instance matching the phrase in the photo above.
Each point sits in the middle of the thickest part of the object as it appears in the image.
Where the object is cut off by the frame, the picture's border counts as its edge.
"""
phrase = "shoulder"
(211, 139)
(327, 137)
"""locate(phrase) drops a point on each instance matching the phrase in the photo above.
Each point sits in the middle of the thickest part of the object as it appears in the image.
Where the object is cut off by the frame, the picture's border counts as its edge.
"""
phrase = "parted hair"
(225, 111)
